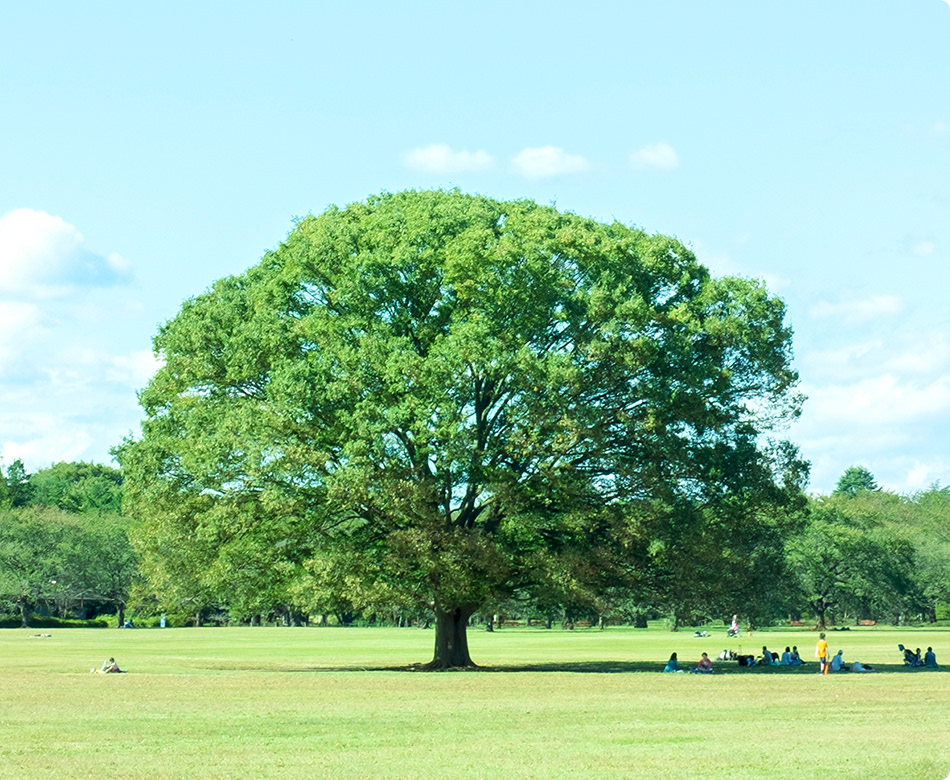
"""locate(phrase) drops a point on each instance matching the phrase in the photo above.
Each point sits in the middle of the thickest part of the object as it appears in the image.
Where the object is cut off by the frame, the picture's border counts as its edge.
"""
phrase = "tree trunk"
(820, 609)
(451, 640)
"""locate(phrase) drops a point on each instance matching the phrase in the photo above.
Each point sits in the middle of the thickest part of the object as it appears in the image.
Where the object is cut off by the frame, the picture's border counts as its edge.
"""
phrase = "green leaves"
(445, 392)
(851, 558)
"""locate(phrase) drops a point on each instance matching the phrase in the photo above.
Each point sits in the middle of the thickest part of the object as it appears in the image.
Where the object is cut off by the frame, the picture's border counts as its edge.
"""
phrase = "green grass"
(334, 702)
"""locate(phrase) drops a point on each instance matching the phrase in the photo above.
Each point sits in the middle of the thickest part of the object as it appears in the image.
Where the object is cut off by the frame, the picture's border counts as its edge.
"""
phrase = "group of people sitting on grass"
(791, 658)
(703, 666)
(912, 658)
(788, 658)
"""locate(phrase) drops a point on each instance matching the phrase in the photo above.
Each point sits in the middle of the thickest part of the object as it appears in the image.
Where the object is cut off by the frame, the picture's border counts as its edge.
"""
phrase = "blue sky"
(149, 149)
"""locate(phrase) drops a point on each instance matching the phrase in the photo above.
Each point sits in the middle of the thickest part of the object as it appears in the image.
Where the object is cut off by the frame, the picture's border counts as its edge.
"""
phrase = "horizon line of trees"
(65, 550)
(860, 553)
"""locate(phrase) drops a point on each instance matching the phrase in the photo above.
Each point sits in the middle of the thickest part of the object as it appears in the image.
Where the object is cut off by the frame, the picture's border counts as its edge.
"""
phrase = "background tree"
(849, 561)
(100, 563)
(31, 572)
(926, 525)
(854, 480)
(18, 490)
(63, 546)
(78, 487)
(440, 399)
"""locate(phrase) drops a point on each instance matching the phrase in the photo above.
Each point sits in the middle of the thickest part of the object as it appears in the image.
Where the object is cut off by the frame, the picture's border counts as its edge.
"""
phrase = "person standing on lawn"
(821, 650)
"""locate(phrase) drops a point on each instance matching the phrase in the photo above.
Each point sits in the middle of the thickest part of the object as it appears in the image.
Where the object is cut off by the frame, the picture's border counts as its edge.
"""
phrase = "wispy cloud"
(658, 155)
(876, 421)
(923, 248)
(134, 369)
(879, 396)
(441, 158)
(858, 310)
(545, 161)
(882, 401)
(18, 319)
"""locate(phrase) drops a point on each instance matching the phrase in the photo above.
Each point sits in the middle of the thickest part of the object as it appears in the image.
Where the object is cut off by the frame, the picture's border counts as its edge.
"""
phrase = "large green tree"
(438, 399)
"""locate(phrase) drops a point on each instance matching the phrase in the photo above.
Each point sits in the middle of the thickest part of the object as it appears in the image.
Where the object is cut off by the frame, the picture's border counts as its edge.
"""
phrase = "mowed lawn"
(344, 702)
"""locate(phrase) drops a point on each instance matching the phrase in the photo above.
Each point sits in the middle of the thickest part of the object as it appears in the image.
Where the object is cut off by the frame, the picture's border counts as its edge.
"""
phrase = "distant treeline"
(859, 554)
(64, 545)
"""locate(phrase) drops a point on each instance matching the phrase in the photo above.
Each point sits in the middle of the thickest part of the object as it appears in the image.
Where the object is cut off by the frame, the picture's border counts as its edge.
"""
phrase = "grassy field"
(335, 702)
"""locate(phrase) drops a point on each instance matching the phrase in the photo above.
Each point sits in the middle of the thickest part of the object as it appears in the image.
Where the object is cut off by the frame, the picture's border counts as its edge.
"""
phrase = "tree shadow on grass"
(719, 668)
(594, 667)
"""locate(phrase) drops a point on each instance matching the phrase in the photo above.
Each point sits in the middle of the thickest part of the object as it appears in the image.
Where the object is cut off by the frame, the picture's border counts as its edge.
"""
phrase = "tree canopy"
(438, 399)
(850, 559)
(854, 480)
(78, 487)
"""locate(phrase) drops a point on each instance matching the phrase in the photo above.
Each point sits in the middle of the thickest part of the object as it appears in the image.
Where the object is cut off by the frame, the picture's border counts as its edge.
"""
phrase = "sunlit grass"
(268, 702)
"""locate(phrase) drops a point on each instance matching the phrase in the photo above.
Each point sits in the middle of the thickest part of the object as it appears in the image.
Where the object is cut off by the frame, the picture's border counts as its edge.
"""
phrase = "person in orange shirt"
(821, 650)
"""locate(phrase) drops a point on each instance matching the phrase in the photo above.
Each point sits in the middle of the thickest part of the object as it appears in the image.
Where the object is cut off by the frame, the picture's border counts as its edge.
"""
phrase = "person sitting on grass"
(837, 663)
(109, 666)
(910, 658)
(728, 655)
(786, 657)
(766, 659)
(930, 658)
(672, 665)
(704, 666)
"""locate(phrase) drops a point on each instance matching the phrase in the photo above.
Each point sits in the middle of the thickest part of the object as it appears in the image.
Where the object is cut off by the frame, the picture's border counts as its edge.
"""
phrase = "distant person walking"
(821, 650)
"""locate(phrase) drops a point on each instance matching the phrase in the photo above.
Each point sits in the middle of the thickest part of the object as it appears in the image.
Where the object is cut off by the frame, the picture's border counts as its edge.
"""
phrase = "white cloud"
(918, 477)
(545, 161)
(924, 356)
(441, 158)
(885, 422)
(43, 256)
(923, 248)
(20, 323)
(41, 440)
(658, 155)
(859, 310)
(68, 372)
(134, 369)
(33, 249)
(880, 401)
(118, 263)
